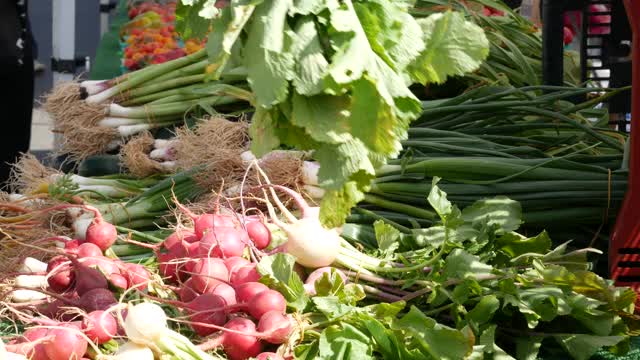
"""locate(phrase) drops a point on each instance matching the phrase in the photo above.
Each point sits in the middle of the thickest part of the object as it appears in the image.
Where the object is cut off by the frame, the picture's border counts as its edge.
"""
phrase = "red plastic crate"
(624, 247)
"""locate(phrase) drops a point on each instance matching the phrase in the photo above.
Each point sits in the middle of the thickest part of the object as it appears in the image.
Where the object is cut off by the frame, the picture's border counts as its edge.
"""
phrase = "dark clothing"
(513, 3)
(16, 79)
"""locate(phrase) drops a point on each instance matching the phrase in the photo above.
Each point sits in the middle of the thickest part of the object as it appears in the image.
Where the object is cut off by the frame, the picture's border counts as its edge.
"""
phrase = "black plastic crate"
(605, 50)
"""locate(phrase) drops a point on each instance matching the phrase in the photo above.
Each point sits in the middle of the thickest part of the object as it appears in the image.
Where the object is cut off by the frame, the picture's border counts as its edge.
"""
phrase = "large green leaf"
(499, 211)
(388, 238)
(454, 47)
(226, 31)
(311, 65)
(484, 310)
(436, 340)
(460, 264)
(270, 64)
(583, 346)
(189, 24)
(345, 342)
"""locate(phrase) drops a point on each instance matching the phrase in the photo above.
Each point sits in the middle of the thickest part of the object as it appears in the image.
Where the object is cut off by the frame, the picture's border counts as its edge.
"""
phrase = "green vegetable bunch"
(490, 293)
(333, 77)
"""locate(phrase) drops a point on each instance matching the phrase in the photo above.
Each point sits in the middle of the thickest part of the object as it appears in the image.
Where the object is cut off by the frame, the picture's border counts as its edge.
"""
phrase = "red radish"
(208, 273)
(61, 276)
(101, 233)
(225, 291)
(30, 344)
(259, 234)
(89, 250)
(178, 237)
(193, 248)
(86, 278)
(247, 291)
(241, 347)
(137, 276)
(100, 326)
(34, 334)
(167, 266)
(102, 263)
(96, 299)
(32, 349)
(53, 308)
(223, 242)
(119, 281)
(66, 344)
(269, 356)
(187, 293)
(238, 346)
(72, 246)
(275, 327)
(204, 309)
(265, 301)
(245, 274)
(235, 262)
(309, 284)
(209, 222)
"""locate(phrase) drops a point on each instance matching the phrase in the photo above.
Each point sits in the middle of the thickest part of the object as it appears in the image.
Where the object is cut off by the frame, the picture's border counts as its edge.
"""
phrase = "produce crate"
(605, 48)
(624, 247)
(607, 55)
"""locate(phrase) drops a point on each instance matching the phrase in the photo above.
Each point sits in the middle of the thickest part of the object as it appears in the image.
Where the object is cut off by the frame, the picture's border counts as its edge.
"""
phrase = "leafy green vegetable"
(453, 47)
(278, 273)
(435, 340)
(345, 342)
(333, 77)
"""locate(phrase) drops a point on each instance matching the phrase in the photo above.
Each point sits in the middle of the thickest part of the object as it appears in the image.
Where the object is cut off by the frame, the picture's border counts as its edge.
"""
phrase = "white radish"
(24, 296)
(32, 281)
(312, 244)
(133, 351)
(146, 326)
(146, 323)
(31, 265)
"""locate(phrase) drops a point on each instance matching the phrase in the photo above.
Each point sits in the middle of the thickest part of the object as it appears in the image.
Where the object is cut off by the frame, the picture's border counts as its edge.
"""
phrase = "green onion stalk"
(556, 158)
(106, 188)
(110, 112)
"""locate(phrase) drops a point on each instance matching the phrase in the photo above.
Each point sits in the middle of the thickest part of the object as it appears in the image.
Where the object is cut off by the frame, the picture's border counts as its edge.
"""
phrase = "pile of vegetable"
(276, 286)
(324, 180)
(150, 37)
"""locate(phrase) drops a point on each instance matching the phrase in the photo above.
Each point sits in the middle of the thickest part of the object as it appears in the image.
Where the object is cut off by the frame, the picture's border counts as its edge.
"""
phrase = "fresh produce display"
(150, 36)
(349, 179)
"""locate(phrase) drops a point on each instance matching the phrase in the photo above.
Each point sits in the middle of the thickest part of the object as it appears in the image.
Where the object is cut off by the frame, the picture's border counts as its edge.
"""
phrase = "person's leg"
(16, 100)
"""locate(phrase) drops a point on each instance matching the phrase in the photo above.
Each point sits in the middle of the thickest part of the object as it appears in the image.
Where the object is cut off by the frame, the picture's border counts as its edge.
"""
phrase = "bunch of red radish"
(219, 288)
(53, 340)
(80, 278)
